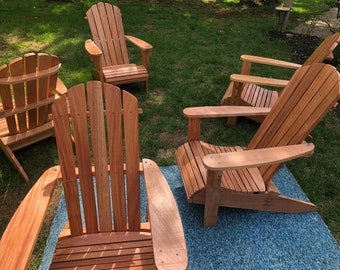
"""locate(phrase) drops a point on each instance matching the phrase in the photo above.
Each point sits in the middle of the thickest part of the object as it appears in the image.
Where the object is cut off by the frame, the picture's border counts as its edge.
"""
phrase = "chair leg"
(212, 198)
(10, 155)
(146, 85)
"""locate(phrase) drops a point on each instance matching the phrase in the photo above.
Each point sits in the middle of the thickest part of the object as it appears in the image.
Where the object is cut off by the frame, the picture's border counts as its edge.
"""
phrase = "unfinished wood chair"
(241, 177)
(28, 87)
(109, 51)
(250, 93)
(98, 148)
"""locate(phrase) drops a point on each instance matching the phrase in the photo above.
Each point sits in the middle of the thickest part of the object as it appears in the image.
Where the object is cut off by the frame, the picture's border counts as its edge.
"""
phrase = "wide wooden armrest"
(143, 45)
(61, 87)
(256, 157)
(224, 111)
(258, 80)
(166, 226)
(92, 48)
(269, 61)
(18, 241)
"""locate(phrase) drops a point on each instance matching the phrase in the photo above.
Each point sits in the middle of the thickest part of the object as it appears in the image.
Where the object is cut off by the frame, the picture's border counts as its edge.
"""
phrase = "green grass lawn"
(196, 48)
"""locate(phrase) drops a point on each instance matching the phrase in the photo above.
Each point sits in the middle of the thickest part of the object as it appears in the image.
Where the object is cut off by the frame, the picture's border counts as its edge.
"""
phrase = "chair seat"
(105, 251)
(121, 74)
(257, 96)
(189, 158)
(24, 139)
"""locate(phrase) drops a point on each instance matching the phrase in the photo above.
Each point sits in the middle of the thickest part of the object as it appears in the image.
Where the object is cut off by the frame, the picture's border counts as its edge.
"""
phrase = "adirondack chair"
(28, 87)
(102, 177)
(241, 177)
(250, 93)
(108, 50)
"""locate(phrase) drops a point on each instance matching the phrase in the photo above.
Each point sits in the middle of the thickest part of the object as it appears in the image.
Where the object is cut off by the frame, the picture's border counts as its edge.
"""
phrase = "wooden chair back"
(107, 30)
(99, 131)
(27, 89)
(303, 103)
(324, 50)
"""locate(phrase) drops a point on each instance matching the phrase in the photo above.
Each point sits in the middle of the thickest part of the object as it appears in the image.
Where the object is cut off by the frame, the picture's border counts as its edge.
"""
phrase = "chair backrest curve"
(107, 30)
(104, 125)
(311, 92)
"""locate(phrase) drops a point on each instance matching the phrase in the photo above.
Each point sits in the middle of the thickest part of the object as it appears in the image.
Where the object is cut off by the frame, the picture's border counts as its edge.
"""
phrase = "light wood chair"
(248, 92)
(98, 148)
(109, 51)
(241, 177)
(28, 87)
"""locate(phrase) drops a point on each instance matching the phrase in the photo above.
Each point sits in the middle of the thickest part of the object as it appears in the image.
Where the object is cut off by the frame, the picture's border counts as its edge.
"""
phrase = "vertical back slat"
(78, 110)
(121, 36)
(30, 61)
(16, 68)
(44, 62)
(6, 100)
(67, 164)
(96, 112)
(115, 143)
(130, 105)
(51, 90)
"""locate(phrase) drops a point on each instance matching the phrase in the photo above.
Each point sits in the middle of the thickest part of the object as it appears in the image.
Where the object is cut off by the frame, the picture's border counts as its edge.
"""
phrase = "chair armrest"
(166, 226)
(256, 157)
(258, 80)
(95, 54)
(92, 48)
(269, 61)
(224, 111)
(144, 46)
(18, 241)
(61, 87)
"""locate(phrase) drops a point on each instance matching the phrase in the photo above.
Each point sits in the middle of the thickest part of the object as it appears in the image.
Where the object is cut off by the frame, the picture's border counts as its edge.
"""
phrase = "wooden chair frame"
(28, 87)
(251, 91)
(109, 51)
(241, 177)
(109, 232)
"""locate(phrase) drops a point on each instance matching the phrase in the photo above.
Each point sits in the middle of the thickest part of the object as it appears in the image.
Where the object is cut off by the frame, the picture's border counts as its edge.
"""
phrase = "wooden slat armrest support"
(31, 106)
(269, 61)
(18, 241)
(166, 225)
(258, 80)
(224, 111)
(30, 76)
(143, 45)
(92, 48)
(257, 157)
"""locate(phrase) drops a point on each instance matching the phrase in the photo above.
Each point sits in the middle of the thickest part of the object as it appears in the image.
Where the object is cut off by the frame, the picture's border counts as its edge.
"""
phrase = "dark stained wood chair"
(109, 51)
(241, 177)
(28, 87)
(100, 169)
(252, 92)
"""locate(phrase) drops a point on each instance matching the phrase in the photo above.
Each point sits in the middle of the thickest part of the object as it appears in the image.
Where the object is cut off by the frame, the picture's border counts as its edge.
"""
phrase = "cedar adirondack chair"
(108, 49)
(28, 87)
(250, 93)
(240, 177)
(102, 177)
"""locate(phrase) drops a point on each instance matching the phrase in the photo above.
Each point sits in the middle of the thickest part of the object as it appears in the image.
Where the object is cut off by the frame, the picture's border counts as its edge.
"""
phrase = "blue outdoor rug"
(243, 239)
